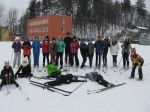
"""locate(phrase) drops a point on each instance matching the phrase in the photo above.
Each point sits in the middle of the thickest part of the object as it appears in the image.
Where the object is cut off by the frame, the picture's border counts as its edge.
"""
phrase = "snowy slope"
(132, 97)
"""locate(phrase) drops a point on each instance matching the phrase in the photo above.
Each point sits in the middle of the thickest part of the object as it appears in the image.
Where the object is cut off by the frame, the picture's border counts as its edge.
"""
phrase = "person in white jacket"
(114, 49)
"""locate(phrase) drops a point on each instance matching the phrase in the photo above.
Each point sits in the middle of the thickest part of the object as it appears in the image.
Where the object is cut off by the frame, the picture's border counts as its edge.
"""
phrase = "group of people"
(70, 46)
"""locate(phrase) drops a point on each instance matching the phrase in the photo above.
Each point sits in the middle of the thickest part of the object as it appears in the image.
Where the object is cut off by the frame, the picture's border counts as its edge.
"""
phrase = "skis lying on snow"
(103, 89)
(54, 89)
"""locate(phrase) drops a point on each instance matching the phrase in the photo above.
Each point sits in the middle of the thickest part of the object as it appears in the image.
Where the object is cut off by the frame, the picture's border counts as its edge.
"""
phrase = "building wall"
(51, 25)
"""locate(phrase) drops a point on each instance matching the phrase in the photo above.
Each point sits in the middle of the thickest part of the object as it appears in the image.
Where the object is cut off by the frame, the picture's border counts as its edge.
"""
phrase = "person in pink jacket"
(45, 50)
(74, 51)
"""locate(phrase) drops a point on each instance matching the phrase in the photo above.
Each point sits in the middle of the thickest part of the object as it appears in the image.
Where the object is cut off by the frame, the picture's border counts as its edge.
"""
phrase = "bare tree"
(12, 19)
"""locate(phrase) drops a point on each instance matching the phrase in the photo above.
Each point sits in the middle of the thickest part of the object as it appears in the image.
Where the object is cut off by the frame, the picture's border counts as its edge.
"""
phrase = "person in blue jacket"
(36, 51)
(99, 45)
(83, 51)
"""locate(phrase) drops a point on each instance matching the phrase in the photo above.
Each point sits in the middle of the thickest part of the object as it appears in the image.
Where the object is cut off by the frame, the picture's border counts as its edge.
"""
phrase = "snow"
(131, 97)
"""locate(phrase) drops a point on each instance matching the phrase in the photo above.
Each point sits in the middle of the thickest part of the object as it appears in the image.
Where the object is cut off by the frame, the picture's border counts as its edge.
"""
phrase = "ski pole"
(11, 62)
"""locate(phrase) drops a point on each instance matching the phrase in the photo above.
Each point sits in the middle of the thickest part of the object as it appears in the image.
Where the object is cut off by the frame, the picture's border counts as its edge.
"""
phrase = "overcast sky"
(22, 5)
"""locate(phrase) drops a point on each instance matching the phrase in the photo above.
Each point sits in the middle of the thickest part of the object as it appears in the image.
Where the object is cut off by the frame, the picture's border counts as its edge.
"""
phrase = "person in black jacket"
(106, 46)
(7, 75)
(83, 50)
(67, 41)
(64, 79)
(25, 68)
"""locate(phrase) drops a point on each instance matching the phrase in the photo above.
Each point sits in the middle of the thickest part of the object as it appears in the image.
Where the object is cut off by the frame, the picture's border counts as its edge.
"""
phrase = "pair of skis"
(55, 89)
(103, 89)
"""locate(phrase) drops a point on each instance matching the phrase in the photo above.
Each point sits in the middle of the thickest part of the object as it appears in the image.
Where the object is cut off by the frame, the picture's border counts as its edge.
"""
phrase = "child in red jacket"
(45, 50)
(74, 51)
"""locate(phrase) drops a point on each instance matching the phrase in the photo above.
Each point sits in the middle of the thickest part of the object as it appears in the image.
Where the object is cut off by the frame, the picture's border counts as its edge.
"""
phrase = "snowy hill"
(131, 97)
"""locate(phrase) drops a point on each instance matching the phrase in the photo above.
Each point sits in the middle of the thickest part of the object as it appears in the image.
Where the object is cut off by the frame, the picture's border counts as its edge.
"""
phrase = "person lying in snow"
(25, 68)
(64, 79)
(94, 76)
(7, 75)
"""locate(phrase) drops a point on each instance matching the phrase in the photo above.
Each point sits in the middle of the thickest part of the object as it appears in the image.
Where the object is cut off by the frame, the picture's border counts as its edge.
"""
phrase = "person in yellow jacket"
(137, 60)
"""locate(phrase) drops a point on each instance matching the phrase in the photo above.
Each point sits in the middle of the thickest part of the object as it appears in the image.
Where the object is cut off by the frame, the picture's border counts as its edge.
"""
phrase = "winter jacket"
(92, 76)
(114, 49)
(106, 45)
(53, 48)
(99, 45)
(16, 46)
(136, 58)
(36, 47)
(45, 47)
(83, 48)
(67, 41)
(25, 70)
(90, 50)
(52, 69)
(8, 71)
(26, 46)
(60, 46)
(126, 48)
(66, 79)
(74, 47)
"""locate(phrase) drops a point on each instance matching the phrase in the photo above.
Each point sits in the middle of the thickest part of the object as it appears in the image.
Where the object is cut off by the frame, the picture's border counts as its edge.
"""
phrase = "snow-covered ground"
(132, 97)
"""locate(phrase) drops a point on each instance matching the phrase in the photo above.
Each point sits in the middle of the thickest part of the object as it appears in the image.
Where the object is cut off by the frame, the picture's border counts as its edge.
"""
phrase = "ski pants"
(125, 56)
(105, 58)
(67, 55)
(59, 55)
(98, 59)
(90, 60)
(45, 55)
(139, 70)
(22, 75)
(36, 59)
(101, 81)
(75, 55)
(114, 60)
(84, 57)
(17, 57)
(53, 57)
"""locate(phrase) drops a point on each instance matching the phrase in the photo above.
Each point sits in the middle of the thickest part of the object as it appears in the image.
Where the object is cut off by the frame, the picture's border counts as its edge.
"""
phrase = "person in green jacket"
(60, 49)
(52, 70)
(90, 50)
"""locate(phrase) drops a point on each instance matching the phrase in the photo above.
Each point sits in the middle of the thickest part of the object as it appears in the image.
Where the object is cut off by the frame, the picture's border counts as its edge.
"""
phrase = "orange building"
(50, 25)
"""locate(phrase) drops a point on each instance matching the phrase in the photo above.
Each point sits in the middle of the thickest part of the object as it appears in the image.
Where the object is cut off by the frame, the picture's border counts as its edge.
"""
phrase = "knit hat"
(133, 50)
(25, 61)
(6, 62)
(17, 38)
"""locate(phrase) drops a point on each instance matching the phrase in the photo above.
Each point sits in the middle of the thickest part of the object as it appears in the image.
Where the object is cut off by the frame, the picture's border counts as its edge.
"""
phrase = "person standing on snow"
(26, 47)
(45, 49)
(25, 69)
(7, 75)
(90, 52)
(83, 51)
(74, 51)
(36, 51)
(126, 46)
(106, 46)
(137, 60)
(17, 51)
(67, 41)
(99, 45)
(53, 50)
(114, 49)
(60, 50)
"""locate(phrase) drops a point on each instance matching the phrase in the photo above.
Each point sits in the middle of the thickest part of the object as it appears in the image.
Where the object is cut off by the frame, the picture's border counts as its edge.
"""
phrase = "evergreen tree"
(32, 9)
